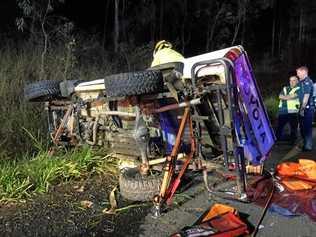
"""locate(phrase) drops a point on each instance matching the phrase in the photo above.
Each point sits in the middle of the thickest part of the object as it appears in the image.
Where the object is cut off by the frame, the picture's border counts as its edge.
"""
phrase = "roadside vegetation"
(25, 166)
(272, 106)
(34, 175)
(21, 65)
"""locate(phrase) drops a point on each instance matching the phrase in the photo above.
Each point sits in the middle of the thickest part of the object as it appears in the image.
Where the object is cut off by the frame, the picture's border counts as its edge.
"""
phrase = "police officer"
(288, 109)
(306, 112)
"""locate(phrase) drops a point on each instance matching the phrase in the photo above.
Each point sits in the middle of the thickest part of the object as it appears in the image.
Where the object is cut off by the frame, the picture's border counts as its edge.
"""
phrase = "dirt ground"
(61, 212)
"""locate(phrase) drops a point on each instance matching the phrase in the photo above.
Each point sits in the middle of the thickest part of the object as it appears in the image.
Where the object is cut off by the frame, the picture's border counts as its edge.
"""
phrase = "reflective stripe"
(292, 111)
(293, 104)
(293, 90)
(281, 101)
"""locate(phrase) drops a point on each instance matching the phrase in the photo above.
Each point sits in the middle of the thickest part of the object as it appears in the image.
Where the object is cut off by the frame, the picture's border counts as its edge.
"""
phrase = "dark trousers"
(283, 119)
(306, 128)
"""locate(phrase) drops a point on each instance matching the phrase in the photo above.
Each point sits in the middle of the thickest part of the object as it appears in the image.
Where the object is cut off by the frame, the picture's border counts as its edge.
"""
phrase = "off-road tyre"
(42, 91)
(133, 83)
(135, 187)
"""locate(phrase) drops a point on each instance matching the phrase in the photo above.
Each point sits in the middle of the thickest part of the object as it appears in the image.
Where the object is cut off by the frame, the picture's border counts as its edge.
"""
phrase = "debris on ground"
(86, 204)
(220, 220)
(113, 203)
(295, 189)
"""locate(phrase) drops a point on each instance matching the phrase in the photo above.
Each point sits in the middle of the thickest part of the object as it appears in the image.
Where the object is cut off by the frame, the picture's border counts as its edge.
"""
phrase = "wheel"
(42, 91)
(135, 187)
(133, 83)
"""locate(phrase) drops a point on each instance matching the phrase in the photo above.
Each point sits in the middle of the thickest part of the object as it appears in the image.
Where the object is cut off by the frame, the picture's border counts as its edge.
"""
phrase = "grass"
(20, 65)
(26, 168)
(272, 106)
(26, 177)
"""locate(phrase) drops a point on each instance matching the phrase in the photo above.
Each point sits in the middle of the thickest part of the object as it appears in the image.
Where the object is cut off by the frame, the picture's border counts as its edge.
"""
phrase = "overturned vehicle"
(203, 112)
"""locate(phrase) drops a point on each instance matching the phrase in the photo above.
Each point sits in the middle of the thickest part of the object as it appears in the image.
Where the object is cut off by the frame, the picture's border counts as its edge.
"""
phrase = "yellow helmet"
(162, 44)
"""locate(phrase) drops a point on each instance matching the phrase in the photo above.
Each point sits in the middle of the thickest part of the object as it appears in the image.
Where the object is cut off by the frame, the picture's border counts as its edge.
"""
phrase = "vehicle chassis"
(232, 129)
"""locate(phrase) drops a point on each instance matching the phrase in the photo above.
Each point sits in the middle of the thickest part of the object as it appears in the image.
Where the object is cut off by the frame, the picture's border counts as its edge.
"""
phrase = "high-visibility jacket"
(166, 55)
(292, 105)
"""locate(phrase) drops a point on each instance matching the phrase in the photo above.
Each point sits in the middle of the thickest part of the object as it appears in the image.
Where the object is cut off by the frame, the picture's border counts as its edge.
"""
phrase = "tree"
(43, 26)
(116, 25)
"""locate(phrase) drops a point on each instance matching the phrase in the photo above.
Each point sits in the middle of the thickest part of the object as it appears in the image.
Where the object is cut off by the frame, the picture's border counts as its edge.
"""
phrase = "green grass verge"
(272, 106)
(23, 178)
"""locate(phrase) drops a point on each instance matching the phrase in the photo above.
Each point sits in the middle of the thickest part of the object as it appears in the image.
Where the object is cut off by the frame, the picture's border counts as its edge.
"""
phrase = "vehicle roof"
(189, 62)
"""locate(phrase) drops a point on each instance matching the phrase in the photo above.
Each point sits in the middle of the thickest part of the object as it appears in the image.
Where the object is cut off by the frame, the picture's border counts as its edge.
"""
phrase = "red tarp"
(297, 202)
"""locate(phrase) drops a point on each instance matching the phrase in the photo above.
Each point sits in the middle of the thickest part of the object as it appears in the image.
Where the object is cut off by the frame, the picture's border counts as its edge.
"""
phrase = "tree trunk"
(116, 25)
(161, 19)
(124, 34)
(300, 25)
(183, 25)
(273, 27)
(300, 34)
(106, 10)
(280, 39)
(240, 6)
(43, 56)
(244, 18)
(153, 24)
(211, 29)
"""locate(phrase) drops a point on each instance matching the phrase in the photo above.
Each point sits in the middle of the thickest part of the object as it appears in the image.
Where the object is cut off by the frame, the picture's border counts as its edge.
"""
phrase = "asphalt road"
(273, 224)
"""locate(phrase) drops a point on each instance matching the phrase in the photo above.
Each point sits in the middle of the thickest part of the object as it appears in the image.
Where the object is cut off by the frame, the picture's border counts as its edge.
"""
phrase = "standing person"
(288, 109)
(306, 112)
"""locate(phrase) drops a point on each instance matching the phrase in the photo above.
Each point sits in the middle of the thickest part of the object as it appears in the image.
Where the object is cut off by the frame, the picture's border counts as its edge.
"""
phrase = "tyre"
(135, 187)
(42, 91)
(133, 83)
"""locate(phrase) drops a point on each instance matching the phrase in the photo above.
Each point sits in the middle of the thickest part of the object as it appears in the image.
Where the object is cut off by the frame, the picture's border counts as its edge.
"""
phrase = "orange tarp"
(304, 171)
(218, 209)
(296, 184)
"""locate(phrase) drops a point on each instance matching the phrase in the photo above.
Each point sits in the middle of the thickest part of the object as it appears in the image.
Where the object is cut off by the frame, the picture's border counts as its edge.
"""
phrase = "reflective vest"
(166, 55)
(292, 105)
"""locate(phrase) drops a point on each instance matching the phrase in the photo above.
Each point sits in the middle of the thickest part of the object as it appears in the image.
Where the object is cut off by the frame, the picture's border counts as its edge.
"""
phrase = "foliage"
(37, 18)
(24, 178)
(272, 106)
(16, 67)
(20, 65)
(44, 27)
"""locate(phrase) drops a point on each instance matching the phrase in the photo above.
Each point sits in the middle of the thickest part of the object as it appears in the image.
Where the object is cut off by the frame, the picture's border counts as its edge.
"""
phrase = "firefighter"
(288, 109)
(307, 107)
(163, 53)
